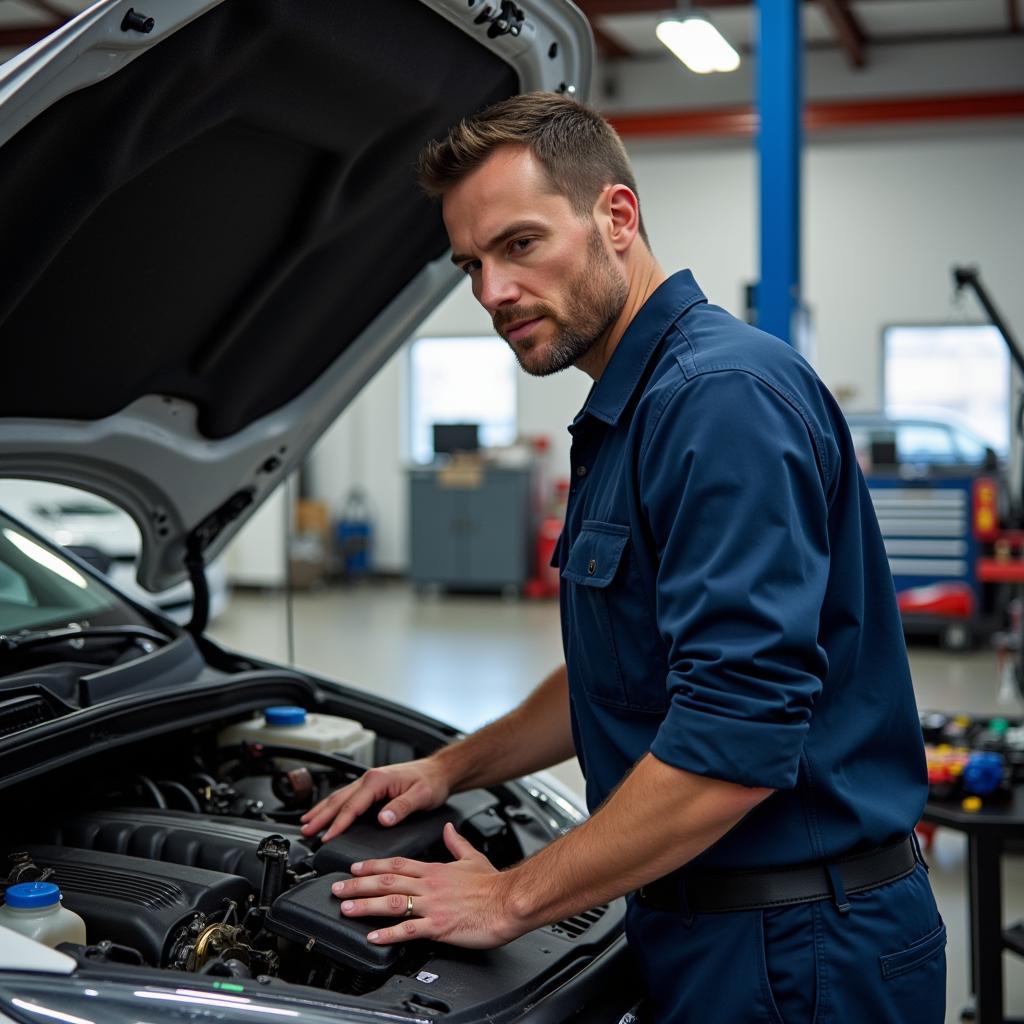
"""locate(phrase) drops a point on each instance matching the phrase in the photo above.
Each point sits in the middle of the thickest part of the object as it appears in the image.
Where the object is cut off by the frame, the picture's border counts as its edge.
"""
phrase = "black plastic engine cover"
(419, 836)
(308, 914)
(226, 845)
(132, 901)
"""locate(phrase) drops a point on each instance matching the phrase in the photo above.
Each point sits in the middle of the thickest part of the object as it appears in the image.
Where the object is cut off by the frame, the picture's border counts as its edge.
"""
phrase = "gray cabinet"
(471, 529)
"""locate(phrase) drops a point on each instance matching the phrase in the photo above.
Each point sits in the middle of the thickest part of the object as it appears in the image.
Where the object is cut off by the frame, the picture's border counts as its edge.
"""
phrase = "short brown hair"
(581, 153)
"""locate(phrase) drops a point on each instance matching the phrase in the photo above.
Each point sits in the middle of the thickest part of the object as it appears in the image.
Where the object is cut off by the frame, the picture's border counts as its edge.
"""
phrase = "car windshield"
(39, 589)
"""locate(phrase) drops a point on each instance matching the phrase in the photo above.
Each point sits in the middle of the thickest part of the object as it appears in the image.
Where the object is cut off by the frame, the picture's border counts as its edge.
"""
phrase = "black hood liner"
(222, 217)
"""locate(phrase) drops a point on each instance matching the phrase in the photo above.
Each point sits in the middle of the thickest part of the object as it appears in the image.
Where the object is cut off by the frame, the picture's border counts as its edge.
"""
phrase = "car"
(916, 445)
(106, 537)
(214, 241)
(941, 495)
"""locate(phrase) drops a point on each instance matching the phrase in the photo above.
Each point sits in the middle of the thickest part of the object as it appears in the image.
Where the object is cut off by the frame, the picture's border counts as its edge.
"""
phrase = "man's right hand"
(412, 786)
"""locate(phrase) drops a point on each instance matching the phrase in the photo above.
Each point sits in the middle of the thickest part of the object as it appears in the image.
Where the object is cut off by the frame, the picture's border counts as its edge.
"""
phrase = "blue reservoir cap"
(32, 895)
(285, 716)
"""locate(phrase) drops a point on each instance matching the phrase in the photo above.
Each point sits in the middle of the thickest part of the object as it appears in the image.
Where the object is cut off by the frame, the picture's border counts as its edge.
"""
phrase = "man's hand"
(413, 786)
(464, 903)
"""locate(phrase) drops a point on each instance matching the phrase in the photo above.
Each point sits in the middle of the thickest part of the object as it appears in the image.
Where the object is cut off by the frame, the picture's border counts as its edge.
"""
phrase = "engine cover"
(226, 845)
(419, 836)
(135, 902)
(309, 915)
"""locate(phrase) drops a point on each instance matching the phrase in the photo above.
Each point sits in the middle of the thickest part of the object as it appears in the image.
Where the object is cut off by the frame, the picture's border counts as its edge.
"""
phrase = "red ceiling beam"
(743, 121)
(607, 46)
(597, 8)
(847, 29)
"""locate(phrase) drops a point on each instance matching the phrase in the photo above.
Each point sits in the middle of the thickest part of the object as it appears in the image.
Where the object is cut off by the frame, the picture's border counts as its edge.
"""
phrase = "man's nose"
(497, 288)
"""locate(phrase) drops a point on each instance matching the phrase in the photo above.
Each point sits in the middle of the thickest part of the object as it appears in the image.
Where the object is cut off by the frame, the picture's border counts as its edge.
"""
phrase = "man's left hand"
(464, 903)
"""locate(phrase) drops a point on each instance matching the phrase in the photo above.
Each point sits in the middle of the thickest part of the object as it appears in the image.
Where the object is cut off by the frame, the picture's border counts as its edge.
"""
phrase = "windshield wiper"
(42, 637)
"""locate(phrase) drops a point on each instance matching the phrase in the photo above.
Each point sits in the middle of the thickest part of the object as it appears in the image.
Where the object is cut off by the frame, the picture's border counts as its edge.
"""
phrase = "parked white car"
(105, 536)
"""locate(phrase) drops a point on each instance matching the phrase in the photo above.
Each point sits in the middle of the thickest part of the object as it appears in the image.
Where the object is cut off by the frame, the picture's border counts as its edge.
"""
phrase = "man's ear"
(621, 210)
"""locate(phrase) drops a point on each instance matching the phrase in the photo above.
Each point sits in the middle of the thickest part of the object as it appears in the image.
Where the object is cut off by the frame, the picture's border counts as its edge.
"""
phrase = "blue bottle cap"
(285, 716)
(32, 895)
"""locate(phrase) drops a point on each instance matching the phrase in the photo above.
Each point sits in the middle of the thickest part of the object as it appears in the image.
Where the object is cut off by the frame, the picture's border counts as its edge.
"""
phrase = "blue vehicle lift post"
(780, 100)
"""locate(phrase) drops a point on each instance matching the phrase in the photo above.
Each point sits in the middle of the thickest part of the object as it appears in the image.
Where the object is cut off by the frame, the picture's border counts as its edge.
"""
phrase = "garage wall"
(884, 219)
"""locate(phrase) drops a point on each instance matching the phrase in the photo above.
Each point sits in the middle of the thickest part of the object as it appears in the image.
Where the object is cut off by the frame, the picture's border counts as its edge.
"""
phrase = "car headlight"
(29, 999)
(557, 801)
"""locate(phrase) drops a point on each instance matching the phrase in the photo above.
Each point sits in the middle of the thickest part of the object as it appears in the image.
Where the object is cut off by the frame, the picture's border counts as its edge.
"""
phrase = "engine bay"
(184, 854)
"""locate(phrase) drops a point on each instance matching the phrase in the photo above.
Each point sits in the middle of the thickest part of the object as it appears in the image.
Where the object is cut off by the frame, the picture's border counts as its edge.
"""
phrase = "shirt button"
(592, 567)
(581, 470)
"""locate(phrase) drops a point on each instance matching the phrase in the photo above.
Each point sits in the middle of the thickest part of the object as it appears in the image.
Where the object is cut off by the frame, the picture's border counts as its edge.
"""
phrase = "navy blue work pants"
(882, 962)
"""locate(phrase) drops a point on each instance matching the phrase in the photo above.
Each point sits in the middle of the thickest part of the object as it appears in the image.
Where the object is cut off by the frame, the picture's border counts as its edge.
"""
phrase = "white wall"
(884, 219)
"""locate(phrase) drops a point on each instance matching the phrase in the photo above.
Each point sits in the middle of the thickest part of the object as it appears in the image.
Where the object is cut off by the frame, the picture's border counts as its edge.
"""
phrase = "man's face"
(541, 271)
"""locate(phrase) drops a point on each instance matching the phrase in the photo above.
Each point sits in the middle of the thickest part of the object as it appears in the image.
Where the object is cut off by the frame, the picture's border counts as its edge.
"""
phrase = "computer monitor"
(456, 437)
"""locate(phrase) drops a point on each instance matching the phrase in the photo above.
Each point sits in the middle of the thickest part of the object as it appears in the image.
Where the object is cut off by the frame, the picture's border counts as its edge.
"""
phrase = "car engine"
(192, 861)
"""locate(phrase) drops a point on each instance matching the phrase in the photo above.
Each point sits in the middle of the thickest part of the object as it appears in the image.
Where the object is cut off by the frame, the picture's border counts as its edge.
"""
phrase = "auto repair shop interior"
(847, 177)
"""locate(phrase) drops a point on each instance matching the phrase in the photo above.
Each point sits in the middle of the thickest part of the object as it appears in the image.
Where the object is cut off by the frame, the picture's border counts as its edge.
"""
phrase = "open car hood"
(213, 236)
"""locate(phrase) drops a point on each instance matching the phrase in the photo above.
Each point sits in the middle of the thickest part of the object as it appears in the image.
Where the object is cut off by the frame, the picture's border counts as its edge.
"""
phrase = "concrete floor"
(466, 660)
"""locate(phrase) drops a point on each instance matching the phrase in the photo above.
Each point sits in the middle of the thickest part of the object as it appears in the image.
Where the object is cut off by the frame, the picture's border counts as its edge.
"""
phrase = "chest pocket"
(612, 643)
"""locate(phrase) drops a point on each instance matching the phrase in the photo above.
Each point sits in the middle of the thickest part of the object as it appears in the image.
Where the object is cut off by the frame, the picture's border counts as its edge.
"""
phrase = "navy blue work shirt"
(726, 600)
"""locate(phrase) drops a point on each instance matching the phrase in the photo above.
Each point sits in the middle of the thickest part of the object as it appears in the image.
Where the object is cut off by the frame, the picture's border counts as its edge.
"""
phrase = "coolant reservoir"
(34, 909)
(296, 727)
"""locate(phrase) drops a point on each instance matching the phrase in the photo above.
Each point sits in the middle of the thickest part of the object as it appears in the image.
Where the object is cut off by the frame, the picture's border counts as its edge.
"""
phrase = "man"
(736, 685)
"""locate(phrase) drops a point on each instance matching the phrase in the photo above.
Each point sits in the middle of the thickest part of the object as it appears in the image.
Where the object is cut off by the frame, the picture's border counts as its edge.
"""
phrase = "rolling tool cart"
(933, 536)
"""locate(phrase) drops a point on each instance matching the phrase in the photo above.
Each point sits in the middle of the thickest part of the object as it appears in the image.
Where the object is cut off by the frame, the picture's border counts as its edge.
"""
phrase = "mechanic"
(736, 684)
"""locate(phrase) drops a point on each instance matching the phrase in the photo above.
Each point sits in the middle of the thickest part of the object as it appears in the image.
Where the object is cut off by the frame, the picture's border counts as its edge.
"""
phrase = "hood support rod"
(195, 561)
(196, 565)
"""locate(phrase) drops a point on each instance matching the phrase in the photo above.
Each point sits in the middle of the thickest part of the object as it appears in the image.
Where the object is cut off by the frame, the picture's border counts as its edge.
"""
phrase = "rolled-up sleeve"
(735, 494)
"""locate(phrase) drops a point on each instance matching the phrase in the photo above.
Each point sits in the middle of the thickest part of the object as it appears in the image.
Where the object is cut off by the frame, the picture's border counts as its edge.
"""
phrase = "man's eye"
(471, 266)
(521, 244)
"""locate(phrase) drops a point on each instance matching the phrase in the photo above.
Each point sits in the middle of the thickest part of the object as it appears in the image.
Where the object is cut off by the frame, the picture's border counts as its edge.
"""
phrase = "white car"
(103, 535)
(213, 238)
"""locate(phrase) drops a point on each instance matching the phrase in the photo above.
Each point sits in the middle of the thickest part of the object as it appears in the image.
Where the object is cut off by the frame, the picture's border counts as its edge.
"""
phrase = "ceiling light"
(698, 44)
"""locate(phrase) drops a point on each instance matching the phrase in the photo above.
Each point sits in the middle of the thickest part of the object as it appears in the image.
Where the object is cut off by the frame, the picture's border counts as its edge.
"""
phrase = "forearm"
(534, 735)
(658, 819)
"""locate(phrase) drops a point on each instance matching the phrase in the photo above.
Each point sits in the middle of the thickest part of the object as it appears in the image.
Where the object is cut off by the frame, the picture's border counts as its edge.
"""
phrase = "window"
(959, 373)
(925, 443)
(39, 589)
(461, 380)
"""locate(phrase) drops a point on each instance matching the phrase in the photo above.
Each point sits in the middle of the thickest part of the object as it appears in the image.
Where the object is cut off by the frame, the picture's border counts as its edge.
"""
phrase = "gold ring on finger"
(408, 906)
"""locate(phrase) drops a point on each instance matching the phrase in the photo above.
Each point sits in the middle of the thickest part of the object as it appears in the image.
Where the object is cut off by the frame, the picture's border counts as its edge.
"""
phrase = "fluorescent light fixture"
(698, 44)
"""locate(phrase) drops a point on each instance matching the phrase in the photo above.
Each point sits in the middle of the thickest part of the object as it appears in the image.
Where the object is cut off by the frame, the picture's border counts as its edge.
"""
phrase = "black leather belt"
(688, 892)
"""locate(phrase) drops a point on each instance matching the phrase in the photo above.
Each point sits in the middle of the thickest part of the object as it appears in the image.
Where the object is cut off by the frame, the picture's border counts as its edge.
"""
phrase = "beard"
(594, 299)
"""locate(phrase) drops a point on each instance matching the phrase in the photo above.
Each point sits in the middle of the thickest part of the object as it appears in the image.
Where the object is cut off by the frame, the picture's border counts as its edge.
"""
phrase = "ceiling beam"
(1013, 15)
(596, 8)
(20, 36)
(743, 121)
(608, 46)
(847, 29)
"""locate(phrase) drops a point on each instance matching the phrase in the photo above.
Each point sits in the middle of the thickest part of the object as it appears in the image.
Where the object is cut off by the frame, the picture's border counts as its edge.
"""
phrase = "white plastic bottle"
(34, 909)
(295, 727)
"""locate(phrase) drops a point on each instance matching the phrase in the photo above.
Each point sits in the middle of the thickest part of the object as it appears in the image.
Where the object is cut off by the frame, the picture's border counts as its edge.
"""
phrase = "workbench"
(987, 831)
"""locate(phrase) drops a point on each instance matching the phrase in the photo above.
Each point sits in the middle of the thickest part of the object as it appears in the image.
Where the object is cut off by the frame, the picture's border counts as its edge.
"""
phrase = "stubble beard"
(593, 300)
